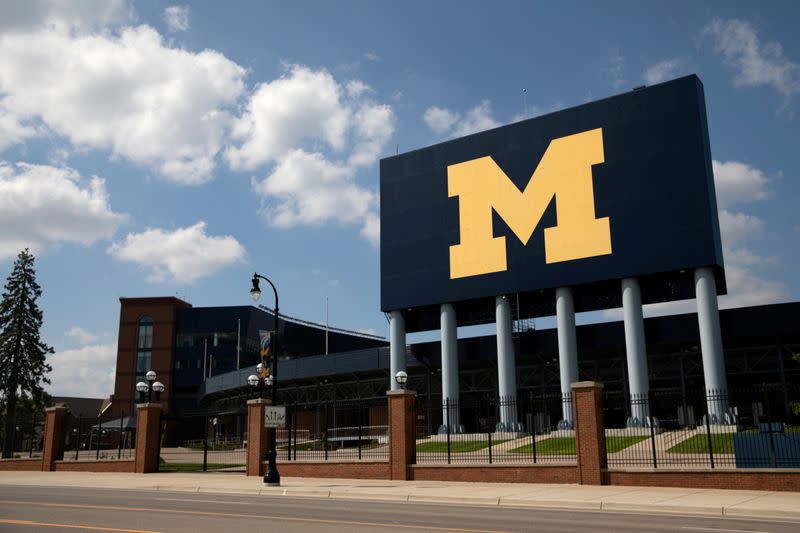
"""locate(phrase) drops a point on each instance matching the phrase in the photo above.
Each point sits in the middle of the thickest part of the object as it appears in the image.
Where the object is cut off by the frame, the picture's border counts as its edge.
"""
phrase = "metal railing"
(109, 436)
(351, 430)
(719, 429)
(487, 430)
(27, 434)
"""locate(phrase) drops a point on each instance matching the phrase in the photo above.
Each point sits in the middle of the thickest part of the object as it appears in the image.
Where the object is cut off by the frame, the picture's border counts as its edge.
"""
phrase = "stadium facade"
(761, 348)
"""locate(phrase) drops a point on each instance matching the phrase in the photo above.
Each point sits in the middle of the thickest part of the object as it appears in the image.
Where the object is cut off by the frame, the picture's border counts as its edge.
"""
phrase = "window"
(144, 349)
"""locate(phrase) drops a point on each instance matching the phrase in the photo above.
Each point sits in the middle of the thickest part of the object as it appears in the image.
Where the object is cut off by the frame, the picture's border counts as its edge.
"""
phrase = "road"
(33, 509)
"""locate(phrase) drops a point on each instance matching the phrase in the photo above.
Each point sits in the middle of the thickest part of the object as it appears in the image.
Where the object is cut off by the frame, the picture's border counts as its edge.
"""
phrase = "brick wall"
(20, 464)
(496, 473)
(354, 470)
(125, 466)
(755, 479)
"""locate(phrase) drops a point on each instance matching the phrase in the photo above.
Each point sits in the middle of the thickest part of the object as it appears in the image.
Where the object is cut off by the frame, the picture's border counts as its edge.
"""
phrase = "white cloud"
(439, 119)
(86, 372)
(11, 130)
(663, 71)
(81, 335)
(756, 63)
(317, 134)
(76, 15)
(479, 118)
(615, 69)
(42, 205)
(183, 255)
(737, 182)
(177, 18)
(310, 189)
(736, 227)
(371, 56)
(160, 107)
(302, 105)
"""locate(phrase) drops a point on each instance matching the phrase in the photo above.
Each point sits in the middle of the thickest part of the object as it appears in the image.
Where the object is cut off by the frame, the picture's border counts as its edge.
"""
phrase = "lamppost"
(150, 387)
(272, 477)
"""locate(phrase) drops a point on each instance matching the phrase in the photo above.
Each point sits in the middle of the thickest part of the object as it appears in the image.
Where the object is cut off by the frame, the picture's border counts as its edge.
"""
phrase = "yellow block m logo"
(564, 173)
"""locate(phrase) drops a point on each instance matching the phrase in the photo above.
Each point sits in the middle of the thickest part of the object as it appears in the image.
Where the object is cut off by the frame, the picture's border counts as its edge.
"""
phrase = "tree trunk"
(11, 415)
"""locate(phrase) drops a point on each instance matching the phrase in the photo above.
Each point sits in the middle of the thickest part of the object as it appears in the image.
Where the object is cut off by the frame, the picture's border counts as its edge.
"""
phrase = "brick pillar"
(53, 446)
(590, 432)
(148, 422)
(402, 433)
(257, 441)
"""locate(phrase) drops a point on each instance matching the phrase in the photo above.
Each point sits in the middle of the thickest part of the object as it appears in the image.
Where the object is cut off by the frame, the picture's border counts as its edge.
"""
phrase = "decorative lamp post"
(150, 386)
(272, 477)
(401, 378)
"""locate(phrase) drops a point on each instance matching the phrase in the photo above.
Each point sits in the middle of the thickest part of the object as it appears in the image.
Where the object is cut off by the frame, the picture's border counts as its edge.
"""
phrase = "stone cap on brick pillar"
(587, 385)
(55, 408)
(258, 401)
(401, 393)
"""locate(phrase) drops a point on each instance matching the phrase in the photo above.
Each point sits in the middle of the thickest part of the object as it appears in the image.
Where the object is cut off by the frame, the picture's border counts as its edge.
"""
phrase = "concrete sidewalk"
(713, 502)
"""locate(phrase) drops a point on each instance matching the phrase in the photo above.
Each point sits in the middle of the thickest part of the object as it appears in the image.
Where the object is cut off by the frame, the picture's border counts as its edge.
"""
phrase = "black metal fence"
(479, 429)
(27, 434)
(753, 428)
(349, 430)
(108, 436)
(211, 452)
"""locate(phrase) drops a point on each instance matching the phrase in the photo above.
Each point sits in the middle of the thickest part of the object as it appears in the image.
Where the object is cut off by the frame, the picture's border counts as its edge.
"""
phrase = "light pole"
(272, 477)
(150, 387)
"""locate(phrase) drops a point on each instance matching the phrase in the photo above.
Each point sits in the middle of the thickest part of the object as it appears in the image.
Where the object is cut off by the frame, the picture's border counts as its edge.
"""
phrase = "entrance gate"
(193, 444)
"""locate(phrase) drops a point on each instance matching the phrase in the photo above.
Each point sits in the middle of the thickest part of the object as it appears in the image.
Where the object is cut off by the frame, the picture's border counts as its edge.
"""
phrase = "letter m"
(564, 173)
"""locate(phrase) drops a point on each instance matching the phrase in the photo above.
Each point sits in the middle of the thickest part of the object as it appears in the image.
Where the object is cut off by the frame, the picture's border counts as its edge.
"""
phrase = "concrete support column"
(506, 366)
(257, 437)
(636, 352)
(567, 351)
(53, 443)
(449, 369)
(402, 433)
(397, 347)
(148, 423)
(590, 432)
(711, 346)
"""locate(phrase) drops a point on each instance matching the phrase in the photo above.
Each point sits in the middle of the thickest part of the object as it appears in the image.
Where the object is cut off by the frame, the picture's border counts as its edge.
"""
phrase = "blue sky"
(152, 149)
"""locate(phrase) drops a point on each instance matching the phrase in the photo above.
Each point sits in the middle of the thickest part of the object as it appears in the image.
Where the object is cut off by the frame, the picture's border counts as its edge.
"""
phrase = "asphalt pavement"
(356, 497)
(38, 508)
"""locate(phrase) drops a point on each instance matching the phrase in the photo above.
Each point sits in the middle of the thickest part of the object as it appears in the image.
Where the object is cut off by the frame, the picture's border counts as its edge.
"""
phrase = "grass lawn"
(194, 467)
(720, 443)
(456, 446)
(566, 445)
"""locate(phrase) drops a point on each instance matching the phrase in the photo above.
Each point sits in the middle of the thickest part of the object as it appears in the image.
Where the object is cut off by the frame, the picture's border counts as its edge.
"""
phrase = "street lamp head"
(151, 376)
(158, 386)
(255, 292)
(252, 380)
(401, 378)
(141, 386)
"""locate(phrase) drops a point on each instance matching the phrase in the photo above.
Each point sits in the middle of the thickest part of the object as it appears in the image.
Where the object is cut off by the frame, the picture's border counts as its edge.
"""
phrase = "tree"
(23, 364)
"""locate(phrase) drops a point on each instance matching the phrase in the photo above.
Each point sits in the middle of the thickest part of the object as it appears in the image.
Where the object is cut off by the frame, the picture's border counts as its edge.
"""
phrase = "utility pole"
(238, 338)
(326, 325)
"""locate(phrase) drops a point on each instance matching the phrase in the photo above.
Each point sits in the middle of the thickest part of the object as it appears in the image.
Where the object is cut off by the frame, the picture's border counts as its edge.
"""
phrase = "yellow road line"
(72, 526)
(248, 516)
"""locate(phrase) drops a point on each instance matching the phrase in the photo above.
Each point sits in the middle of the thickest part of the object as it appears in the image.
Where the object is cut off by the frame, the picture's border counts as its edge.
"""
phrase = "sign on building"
(621, 187)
